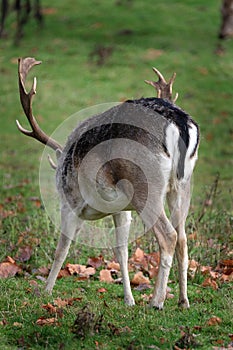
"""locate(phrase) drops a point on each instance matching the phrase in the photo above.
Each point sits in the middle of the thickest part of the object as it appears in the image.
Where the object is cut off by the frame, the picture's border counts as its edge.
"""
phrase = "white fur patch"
(190, 159)
(172, 138)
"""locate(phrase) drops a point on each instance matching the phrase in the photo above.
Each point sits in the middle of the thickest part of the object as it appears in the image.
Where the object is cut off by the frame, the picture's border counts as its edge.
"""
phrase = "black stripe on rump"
(180, 118)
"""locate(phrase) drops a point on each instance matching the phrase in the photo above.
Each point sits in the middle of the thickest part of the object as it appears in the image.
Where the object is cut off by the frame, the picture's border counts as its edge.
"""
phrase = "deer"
(136, 156)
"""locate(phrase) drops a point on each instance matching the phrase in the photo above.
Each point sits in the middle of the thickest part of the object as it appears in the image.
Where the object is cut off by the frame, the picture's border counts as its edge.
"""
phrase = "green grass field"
(178, 36)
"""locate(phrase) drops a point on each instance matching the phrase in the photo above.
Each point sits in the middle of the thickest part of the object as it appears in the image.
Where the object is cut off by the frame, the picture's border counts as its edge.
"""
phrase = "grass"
(172, 36)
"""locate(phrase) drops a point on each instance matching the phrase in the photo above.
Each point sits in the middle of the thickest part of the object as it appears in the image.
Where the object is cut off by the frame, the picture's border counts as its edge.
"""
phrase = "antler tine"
(24, 66)
(164, 89)
(51, 162)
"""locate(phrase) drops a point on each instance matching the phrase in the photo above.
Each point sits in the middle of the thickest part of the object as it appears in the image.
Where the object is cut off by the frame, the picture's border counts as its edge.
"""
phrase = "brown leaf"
(43, 271)
(17, 324)
(10, 259)
(46, 321)
(105, 276)
(8, 269)
(3, 322)
(112, 265)
(209, 282)
(33, 283)
(81, 270)
(205, 270)
(96, 262)
(153, 272)
(101, 290)
(139, 278)
(192, 236)
(138, 255)
(154, 258)
(226, 278)
(89, 271)
(146, 297)
(75, 269)
(213, 321)
(227, 262)
(24, 254)
(65, 302)
(50, 308)
(192, 268)
(6, 213)
(63, 273)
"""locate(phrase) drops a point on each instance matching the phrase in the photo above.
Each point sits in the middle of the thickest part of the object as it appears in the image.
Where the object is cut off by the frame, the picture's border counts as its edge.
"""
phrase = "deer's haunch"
(134, 156)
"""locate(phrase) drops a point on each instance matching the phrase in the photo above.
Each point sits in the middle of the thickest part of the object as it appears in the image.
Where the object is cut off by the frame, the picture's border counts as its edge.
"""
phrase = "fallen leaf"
(65, 302)
(146, 297)
(142, 287)
(96, 262)
(24, 254)
(6, 213)
(192, 268)
(50, 308)
(75, 268)
(153, 272)
(138, 255)
(213, 321)
(105, 276)
(8, 269)
(10, 259)
(3, 322)
(44, 271)
(187, 340)
(226, 278)
(81, 270)
(112, 265)
(209, 282)
(227, 262)
(205, 270)
(17, 324)
(33, 283)
(89, 271)
(101, 290)
(139, 278)
(154, 259)
(46, 321)
(192, 236)
(63, 273)
(169, 296)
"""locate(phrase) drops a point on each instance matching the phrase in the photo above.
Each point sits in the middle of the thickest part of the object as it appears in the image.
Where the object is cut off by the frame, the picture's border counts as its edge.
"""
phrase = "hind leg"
(178, 201)
(122, 222)
(166, 238)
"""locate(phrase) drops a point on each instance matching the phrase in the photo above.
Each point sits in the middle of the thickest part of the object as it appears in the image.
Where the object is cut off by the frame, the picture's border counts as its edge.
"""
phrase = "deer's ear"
(58, 153)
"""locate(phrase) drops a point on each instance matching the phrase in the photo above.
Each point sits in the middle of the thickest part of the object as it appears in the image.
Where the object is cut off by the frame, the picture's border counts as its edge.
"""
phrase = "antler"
(164, 89)
(24, 66)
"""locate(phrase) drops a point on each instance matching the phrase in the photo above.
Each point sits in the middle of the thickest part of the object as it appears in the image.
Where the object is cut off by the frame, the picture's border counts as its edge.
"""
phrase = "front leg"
(122, 222)
(70, 225)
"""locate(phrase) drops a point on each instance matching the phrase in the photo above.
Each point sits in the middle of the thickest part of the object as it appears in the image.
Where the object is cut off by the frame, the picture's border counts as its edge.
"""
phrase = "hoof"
(157, 306)
(129, 301)
(184, 304)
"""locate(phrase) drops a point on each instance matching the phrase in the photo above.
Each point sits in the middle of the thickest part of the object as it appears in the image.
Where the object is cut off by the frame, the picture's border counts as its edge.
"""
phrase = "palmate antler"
(164, 89)
(24, 66)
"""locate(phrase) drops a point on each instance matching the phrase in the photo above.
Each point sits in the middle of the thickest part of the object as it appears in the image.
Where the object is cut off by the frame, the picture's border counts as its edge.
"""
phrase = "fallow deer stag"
(131, 157)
